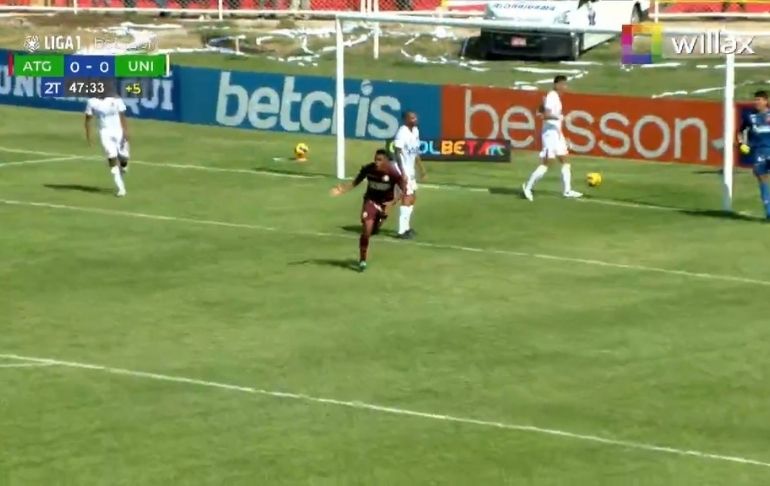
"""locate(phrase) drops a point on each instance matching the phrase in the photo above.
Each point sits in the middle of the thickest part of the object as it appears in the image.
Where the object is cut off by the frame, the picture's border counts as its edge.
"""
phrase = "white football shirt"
(552, 104)
(408, 141)
(107, 112)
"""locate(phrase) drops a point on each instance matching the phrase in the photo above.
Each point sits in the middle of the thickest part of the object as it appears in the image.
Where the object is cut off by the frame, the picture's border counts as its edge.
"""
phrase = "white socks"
(404, 217)
(566, 178)
(538, 174)
(118, 178)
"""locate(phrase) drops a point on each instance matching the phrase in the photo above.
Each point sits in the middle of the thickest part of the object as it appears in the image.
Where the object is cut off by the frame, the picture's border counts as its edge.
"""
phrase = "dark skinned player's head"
(410, 119)
(560, 83)
(760, 100)
(382, 156)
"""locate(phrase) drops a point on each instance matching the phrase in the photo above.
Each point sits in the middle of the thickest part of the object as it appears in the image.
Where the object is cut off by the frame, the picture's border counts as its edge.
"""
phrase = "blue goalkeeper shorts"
(761, 161)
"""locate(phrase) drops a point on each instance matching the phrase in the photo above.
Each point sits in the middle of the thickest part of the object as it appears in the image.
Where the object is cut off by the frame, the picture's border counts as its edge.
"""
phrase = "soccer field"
(209, 328)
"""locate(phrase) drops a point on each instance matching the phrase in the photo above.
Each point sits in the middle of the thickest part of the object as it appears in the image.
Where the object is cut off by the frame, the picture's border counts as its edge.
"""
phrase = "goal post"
(728, 117)
(728, 82)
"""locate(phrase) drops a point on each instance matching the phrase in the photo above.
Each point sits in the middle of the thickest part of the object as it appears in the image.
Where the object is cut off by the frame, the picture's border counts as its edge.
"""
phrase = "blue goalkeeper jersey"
(758, 125)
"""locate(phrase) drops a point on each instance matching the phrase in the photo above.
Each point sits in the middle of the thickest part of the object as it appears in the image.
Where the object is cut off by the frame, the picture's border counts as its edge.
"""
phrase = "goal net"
(679, 108)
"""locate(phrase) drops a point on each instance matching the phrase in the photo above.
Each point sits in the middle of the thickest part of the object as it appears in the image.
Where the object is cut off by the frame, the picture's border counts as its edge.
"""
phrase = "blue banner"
(275, 102)
(305, 104)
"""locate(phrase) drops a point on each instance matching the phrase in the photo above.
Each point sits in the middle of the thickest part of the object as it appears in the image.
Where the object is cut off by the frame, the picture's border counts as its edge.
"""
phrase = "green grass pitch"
(549, 343)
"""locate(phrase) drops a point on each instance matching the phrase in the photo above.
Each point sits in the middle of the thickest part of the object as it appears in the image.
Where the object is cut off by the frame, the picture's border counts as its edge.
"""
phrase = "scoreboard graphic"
(77, 75)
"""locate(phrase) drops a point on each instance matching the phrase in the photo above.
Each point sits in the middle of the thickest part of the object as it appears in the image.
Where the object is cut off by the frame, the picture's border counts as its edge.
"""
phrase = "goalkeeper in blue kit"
(754, 139)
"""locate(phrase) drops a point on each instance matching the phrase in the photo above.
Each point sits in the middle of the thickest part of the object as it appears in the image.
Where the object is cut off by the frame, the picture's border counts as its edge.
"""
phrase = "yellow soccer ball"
(594, 179)
(300, 151)
(745, 149)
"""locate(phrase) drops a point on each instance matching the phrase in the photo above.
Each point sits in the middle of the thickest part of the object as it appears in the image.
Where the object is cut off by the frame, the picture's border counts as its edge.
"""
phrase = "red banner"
(718, 6)
(665, 130)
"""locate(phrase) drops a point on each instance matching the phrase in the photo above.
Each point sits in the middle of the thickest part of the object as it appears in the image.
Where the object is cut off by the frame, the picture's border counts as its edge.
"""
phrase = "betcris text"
(306, 104)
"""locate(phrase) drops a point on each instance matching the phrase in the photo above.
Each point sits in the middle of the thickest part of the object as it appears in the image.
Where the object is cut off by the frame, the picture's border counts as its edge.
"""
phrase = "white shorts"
(411, 183)
(554, 145)
(411, 187)
(113, 145)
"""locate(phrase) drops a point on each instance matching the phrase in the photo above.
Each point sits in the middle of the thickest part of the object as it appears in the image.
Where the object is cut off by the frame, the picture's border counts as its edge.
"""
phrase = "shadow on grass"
(345, 264)
(709, 171)
(717, 214)
(79, 188)
(356, 228)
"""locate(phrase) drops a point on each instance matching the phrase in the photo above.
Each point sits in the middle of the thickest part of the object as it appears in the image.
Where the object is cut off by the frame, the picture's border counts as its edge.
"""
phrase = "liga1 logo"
(466, 149)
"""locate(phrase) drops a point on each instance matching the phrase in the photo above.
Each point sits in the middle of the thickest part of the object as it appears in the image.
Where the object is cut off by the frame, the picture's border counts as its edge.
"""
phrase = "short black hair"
(761, 94)
(383, 152)
(407, 113)
(559, 79)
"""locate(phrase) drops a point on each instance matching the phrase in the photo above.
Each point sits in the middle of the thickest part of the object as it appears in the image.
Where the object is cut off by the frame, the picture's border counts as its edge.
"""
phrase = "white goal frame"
(728, 101)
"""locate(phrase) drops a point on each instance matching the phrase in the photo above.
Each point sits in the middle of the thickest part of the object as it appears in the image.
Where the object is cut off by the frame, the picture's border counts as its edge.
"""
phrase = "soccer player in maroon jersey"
(382, 177)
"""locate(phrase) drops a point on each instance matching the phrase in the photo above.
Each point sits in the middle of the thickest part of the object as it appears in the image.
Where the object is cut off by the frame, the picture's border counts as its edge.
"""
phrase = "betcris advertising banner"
(162, 103)
(305, 104)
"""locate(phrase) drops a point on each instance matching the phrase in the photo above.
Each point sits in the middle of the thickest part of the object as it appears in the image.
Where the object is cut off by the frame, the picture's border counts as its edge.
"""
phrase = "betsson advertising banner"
(665, 130)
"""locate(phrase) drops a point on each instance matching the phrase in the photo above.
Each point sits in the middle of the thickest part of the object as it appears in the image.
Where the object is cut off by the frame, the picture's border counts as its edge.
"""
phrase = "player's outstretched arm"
(399, 156)
(341, 189)
(740, 136)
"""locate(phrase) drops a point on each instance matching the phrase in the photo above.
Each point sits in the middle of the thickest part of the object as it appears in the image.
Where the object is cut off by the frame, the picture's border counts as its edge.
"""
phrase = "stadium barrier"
(661, 9)
(250, 8)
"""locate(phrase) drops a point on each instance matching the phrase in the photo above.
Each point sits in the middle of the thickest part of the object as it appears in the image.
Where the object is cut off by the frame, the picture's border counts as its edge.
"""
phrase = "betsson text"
(286, 109)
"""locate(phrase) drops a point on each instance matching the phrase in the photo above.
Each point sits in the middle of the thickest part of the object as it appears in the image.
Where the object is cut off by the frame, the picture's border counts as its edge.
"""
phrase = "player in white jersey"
(110, 114)
(407, 144)
(554, 144)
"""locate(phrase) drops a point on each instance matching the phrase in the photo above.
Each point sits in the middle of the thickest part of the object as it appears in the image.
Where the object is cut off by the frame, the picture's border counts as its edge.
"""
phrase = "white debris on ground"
(139, 36)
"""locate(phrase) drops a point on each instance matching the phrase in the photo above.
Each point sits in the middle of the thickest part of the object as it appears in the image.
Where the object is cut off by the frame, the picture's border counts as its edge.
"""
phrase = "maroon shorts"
(371, 211)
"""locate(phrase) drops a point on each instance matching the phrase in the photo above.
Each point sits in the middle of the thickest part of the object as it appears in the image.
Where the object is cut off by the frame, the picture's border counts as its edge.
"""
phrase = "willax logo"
(662, 45)
(32, 43)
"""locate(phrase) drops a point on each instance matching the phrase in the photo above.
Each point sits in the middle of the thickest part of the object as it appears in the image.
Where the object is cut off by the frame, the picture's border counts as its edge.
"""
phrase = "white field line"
(467, 249)
(391, 410)
(26, 365)
(164, 164)
(38, 161)
(603, 202)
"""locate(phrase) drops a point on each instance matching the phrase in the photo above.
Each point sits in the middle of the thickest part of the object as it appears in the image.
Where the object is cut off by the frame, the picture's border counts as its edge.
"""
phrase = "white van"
(532, 43)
